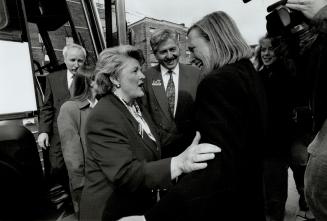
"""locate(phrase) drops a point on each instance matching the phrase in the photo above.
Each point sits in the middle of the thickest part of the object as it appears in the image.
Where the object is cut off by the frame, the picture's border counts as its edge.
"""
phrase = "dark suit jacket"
(230, 113)
(175, 134)
(56, 93)
(121, 166)
(313, 64)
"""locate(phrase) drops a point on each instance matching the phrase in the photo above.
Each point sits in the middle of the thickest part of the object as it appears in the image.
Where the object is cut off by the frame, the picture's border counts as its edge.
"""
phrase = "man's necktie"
(170, 92)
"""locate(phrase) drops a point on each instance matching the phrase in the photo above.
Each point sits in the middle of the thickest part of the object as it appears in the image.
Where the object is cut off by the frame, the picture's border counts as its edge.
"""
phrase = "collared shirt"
(134, 109)
(69, 78)
(92, 103)
(165, 79)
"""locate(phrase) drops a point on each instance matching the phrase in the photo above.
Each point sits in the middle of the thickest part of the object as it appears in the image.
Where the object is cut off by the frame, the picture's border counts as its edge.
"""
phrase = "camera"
(289, 24)
(283, 21)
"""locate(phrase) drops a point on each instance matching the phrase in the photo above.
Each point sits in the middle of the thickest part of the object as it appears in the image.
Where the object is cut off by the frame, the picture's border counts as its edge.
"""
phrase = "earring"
(118, 85)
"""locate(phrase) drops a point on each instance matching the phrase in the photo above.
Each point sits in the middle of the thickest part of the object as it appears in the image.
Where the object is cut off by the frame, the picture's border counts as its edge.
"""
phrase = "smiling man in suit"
(56, 93)
(170, 89)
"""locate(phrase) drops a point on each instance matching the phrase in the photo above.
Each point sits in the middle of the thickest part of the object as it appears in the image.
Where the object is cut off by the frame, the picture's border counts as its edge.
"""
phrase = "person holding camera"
(315, 68)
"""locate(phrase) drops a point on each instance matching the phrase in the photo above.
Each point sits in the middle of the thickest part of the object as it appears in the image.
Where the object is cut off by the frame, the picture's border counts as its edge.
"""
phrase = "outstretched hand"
(194, 157)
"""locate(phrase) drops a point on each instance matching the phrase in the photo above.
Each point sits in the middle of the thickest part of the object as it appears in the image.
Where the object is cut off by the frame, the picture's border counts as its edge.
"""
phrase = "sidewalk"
(292, 207)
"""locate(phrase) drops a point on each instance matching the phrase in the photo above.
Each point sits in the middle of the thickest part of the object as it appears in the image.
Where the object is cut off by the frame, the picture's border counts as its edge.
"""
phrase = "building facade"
(63, 35)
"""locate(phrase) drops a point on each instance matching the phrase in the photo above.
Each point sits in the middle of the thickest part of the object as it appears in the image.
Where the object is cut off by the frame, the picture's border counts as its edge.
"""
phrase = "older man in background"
(56, 93)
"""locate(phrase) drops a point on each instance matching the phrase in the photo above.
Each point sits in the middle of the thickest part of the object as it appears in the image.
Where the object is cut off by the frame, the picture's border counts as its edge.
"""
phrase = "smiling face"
(74, 59)
(267, 52)
(200, 49)
(131, 80)
(168, 54)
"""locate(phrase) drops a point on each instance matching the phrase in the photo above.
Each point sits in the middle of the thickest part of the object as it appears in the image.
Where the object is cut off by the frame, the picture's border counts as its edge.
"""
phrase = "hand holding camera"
(309, 8)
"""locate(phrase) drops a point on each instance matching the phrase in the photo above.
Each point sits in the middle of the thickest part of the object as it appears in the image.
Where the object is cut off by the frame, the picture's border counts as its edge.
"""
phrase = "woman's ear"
(115, 81)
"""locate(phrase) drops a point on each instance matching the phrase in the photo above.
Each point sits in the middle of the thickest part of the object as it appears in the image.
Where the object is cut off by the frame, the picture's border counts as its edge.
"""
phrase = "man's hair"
(161, 36)
(110, 63)
(70, 46)
(226, 42)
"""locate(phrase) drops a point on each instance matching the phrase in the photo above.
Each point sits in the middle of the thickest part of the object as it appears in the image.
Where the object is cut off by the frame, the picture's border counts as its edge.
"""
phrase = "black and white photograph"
(163, 110)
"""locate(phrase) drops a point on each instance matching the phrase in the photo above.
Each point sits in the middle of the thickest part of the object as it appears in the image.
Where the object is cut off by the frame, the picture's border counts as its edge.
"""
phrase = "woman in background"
(288, 126)
(71, 124)
(277, 81)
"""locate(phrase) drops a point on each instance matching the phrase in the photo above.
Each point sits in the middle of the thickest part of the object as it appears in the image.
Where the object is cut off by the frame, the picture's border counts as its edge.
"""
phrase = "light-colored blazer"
(318, 146)
(71, 124)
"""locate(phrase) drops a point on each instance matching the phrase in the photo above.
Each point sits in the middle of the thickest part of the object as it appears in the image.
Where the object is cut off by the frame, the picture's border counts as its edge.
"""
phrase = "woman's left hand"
(308, 7)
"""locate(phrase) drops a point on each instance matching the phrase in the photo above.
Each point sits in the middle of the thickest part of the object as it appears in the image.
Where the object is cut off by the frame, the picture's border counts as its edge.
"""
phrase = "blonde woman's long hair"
(226, 42)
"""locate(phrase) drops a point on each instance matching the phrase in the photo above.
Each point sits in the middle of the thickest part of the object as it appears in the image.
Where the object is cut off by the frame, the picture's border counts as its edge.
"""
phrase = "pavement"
(292, 212)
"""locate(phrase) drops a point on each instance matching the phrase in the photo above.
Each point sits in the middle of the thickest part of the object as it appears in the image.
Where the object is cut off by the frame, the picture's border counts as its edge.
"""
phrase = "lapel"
(150, 144)
(151, 125)
(83, 104)
(63, 83)
(182, 87)
(159, 91)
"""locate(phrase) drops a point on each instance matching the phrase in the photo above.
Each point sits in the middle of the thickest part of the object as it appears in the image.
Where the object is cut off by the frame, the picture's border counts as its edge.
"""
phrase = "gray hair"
(161, 36)
(110, 63)
(70, 46)
(225, 40)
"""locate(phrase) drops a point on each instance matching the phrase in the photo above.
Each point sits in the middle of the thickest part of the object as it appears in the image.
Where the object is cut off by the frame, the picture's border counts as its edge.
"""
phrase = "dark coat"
(315, 174)
(121, 167)
(230, 113)
(315, 66)
(56, 93)
(175, 133)
(280, 90)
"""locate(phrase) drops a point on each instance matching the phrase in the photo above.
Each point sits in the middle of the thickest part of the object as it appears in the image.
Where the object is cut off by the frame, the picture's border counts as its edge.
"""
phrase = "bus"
(32, 36)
